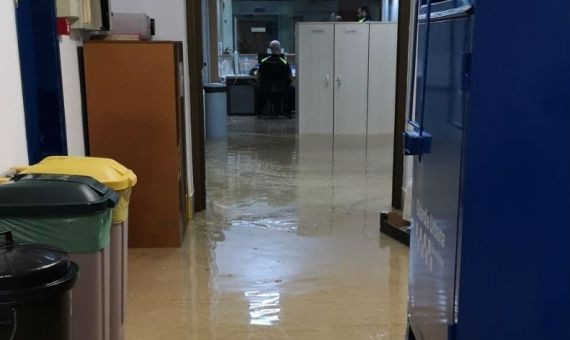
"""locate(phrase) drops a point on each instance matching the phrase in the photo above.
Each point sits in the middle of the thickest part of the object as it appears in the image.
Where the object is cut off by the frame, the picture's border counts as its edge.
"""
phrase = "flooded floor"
(289, 247)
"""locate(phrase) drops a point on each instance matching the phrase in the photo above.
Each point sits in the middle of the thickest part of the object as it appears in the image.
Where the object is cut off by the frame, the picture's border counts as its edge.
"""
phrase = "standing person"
(363, 14)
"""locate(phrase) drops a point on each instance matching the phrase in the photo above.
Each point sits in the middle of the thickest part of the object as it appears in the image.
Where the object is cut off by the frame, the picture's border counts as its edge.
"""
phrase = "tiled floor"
(289, 247)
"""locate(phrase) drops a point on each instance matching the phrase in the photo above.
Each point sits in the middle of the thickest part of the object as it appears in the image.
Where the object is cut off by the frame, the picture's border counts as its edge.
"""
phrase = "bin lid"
(215, 87)
(55, 195)
(105, 170)
(29, 270)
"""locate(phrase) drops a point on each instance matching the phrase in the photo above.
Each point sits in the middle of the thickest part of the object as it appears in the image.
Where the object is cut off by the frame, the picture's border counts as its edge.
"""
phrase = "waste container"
(216, 110)
(35, 291)
(72, 213)
(122, 180)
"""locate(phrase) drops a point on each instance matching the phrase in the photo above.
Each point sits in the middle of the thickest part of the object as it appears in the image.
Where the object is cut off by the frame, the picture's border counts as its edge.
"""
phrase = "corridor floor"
(288, 248)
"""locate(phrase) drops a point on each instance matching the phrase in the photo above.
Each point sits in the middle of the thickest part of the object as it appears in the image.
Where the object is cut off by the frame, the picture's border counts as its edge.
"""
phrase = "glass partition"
(246, 27)
(249, 25)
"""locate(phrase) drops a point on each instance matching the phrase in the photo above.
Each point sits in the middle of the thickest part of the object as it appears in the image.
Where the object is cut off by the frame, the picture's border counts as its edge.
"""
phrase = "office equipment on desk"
(139, 24)
(346, 78)
(241, 94)
(488, 248)
(293, 70)
(246, 64)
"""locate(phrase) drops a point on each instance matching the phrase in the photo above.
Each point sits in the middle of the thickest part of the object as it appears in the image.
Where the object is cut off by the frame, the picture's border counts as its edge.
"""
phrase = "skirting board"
(393, 225)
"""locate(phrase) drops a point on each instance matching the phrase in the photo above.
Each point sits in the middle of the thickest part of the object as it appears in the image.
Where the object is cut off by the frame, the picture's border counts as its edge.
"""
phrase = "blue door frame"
(41, 79)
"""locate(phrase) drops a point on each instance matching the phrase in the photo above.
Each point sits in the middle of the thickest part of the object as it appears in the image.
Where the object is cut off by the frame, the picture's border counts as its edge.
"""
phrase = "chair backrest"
(274, 76)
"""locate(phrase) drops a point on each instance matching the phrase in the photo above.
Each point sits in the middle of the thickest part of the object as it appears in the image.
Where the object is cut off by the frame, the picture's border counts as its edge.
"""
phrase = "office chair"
(276, 95)
(274, 86)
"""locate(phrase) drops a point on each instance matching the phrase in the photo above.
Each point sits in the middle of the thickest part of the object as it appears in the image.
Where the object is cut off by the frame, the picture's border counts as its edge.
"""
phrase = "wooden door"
(195, 65)
(315, 75)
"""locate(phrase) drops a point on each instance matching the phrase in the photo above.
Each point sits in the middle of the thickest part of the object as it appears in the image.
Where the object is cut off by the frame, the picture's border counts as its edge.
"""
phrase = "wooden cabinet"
(135, 111)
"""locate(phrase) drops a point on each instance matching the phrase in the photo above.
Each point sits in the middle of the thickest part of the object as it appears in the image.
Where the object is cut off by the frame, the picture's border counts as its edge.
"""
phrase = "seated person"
(274, 76)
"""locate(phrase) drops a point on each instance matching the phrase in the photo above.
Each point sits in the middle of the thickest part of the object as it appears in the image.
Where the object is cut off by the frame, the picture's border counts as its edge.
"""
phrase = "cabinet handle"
(339, 80)
(328, 79)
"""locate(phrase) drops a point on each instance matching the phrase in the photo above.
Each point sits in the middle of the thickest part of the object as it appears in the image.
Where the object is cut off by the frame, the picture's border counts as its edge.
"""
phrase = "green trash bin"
(72, 213)
(122, 180)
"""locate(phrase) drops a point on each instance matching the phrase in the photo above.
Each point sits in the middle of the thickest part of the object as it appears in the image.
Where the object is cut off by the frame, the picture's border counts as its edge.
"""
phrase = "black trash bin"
(35, 291)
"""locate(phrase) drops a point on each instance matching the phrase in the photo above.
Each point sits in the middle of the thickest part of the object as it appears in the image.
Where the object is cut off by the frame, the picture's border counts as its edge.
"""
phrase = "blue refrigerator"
(490, 244)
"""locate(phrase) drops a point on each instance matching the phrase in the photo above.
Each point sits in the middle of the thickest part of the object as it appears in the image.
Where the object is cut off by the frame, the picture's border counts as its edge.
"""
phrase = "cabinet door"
(382, 82)
(134, 117)
(437, 178)
(315, 89)
(351, 79)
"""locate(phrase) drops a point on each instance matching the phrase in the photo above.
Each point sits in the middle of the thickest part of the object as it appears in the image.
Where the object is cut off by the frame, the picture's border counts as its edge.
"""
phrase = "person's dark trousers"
(260, 107)
(290, 100)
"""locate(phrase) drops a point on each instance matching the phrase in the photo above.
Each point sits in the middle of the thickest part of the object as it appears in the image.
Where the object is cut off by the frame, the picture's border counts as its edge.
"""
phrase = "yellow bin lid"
(107, 171)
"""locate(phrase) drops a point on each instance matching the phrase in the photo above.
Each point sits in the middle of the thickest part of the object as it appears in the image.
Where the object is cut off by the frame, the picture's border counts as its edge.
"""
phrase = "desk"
(242, 96)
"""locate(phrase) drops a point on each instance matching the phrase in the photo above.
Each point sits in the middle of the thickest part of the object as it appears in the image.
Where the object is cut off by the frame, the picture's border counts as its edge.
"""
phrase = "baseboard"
(189, 207)
(392, 224)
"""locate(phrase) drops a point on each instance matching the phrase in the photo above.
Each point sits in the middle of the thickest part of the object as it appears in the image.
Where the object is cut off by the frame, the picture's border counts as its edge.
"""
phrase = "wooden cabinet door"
(133, 117)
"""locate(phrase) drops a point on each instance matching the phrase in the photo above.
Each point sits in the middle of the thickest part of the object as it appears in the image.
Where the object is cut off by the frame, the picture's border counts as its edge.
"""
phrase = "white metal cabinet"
(382, 81)
(315, 78)
(358, 98)
(351, 78)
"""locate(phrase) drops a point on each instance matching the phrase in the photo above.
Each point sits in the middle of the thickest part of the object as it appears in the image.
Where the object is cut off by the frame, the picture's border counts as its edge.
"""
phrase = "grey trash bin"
(216, 110)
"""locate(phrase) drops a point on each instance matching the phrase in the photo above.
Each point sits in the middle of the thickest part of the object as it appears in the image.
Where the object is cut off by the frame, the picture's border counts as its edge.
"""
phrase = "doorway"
(41, 78)
(254, 33)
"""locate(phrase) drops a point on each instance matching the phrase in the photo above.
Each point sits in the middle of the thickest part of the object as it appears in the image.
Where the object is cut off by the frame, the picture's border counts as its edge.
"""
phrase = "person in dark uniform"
(363, 14)
(275, 75)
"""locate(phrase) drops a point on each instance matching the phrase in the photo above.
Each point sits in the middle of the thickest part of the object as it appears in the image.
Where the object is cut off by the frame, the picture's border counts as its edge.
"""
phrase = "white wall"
(170, 18)
(72, 94)
(13, 147)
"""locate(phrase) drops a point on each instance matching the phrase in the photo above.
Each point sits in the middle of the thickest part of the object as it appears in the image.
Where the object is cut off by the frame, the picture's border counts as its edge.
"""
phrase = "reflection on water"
(264, 307)
(288, 248)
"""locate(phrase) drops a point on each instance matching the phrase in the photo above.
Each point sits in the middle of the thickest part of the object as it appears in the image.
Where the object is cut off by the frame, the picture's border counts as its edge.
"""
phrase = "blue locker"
(490, 246)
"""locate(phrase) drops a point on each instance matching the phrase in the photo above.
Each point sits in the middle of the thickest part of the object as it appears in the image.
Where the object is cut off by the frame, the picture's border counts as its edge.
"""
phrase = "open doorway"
(239, 35)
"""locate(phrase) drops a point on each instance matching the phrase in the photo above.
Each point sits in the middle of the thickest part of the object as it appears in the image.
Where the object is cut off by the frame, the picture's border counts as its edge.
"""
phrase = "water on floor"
(289, 247)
